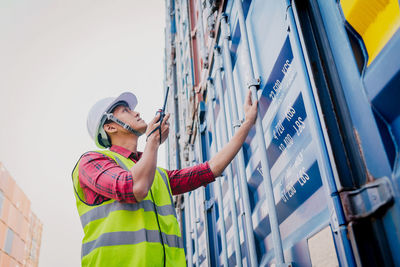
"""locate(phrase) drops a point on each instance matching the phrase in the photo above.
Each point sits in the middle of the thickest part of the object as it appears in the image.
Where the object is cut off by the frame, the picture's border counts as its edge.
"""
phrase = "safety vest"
(130, 234)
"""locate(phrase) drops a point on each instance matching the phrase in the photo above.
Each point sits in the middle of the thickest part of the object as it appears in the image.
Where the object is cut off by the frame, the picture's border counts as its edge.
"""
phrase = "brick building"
(20, 229)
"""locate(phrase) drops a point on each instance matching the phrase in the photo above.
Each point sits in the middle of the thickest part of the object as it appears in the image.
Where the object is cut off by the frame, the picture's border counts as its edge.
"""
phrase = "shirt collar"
(126, 153)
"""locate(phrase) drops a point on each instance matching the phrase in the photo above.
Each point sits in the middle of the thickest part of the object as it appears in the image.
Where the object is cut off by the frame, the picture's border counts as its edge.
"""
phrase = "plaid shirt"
(101, 178)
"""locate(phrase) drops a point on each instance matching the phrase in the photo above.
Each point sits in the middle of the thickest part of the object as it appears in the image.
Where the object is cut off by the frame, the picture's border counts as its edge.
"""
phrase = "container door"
(308, 207)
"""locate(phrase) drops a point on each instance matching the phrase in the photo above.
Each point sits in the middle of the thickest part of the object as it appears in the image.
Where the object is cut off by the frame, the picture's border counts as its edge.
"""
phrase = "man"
(124, 200)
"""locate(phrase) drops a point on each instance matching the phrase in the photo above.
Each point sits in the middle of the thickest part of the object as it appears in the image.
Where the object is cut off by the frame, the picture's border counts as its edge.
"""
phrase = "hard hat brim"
(127, 97)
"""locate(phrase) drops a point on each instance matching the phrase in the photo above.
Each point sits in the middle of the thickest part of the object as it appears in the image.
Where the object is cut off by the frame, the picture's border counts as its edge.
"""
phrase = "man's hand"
(153, 124)
(143, 171)
(250, 109)
(165, 128)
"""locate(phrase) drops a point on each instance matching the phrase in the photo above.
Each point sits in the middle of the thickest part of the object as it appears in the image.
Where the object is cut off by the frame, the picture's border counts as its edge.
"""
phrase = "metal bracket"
(367, 200)
(210, 89)
(203, 127)
(254, 82)
(334, 222)
(225, 31)
(218, 58)
(208, 204)
(237, 124)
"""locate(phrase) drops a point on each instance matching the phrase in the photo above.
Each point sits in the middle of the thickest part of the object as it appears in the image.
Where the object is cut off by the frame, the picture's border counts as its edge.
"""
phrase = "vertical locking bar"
(195, 229)
(189, 252)
(211, 92)
(273, 218)
(200, 31)
(232, 109)
(229, 170)
(193, 202)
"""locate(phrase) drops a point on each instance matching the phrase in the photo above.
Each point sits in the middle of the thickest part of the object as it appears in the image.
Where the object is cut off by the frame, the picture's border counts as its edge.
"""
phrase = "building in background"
(20, 228)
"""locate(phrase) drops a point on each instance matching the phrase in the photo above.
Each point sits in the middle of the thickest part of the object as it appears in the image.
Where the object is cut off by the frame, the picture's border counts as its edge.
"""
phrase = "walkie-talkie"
(162, 115)
(162, 111)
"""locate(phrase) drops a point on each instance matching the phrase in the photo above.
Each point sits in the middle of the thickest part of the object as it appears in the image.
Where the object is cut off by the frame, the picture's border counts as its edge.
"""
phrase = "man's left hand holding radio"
(153, 134)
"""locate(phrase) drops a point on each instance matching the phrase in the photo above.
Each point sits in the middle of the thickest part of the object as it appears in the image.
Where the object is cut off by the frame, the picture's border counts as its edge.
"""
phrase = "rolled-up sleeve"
(101, 178)
(190, 178)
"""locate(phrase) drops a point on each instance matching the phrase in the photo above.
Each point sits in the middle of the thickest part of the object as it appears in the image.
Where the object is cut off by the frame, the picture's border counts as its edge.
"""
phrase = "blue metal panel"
(382, 81)
(295, 146)
(353, 89)
(306, 185)
(376, 124)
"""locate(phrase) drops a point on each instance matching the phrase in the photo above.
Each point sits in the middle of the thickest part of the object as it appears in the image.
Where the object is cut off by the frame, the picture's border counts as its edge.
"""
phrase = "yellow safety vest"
(126, 234)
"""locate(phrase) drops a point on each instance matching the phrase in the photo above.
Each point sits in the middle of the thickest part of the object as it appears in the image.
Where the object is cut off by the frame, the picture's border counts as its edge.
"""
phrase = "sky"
(57, 58)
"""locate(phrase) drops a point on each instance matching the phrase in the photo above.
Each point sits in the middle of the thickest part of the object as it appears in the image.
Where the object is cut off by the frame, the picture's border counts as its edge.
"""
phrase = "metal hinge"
(367, 200)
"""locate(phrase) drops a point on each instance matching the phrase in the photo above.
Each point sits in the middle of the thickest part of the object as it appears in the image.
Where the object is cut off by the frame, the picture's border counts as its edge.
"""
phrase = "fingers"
(165, 124)
(165, 120)
(160, 135)
(164, 128)
(151, 126)
(165, 133)
(157, 117)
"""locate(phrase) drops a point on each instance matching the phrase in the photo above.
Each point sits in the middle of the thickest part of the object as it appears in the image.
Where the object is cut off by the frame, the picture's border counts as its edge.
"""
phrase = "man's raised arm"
(221, 160)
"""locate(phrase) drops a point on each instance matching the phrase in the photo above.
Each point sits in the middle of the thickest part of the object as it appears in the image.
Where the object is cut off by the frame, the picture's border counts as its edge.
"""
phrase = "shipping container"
(317, 180)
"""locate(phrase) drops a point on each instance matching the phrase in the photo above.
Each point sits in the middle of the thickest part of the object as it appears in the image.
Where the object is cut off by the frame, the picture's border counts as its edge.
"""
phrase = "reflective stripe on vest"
(113, 224)
(131, 238)
(104, 210)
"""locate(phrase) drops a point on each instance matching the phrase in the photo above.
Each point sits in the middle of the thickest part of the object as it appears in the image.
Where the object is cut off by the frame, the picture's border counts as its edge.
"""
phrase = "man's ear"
(109, 128)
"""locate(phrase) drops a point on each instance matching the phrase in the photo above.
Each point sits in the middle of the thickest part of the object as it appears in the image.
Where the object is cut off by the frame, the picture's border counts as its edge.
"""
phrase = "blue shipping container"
(317, 180)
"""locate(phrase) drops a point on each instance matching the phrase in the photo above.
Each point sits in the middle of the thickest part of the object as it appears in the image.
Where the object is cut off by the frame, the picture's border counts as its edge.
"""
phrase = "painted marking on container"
(307, 183)
(274, 85)
(280, 79)
(285, 128)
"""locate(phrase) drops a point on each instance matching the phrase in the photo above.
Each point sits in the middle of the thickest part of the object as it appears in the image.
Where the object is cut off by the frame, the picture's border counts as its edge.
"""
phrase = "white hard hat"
(97, 116)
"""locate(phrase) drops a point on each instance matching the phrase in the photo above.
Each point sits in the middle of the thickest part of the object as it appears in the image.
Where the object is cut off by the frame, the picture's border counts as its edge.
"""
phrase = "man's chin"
(143, 129)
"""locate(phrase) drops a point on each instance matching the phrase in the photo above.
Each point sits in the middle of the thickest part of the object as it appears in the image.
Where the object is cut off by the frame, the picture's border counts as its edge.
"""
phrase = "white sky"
(57, 58)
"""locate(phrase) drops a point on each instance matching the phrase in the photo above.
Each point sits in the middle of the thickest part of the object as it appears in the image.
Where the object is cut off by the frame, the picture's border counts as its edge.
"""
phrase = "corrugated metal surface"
(325, 148)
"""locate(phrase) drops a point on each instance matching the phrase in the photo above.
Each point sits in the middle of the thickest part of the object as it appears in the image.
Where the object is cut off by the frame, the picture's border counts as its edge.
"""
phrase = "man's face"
(131, 117)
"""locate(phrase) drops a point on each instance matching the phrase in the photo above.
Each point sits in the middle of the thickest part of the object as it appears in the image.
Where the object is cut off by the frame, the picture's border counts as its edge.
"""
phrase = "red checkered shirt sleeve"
(101, 179)
(190, 178)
